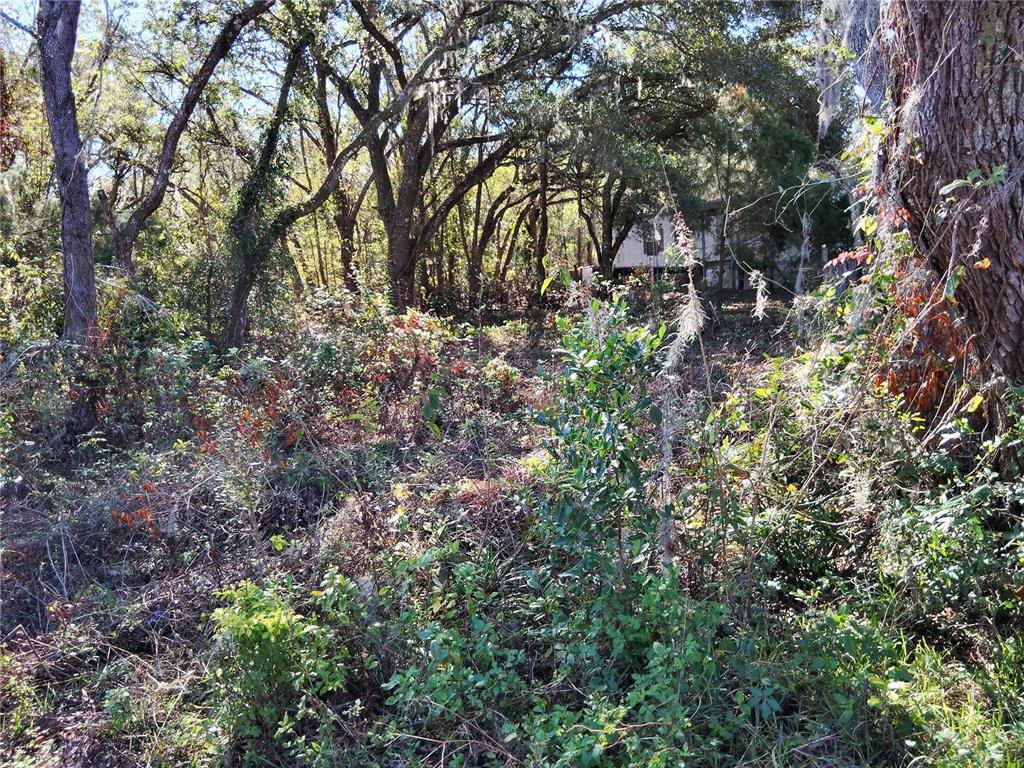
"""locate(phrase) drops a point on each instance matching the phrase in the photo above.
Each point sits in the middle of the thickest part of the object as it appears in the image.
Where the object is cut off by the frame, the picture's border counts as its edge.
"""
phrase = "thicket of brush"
(392, 541)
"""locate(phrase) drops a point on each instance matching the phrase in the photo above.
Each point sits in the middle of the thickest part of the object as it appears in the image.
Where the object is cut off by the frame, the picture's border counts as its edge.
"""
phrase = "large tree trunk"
(238, 309)
(57, 26)
(609, 241)
(397, 210)
(407, 232)
(345, 223)
(401, 264)
(540, 252)
(957, 82)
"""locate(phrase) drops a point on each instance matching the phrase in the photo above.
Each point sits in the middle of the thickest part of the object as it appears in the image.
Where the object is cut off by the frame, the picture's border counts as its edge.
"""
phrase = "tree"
(346, 205)
(251, 244)
(56, 32)
(125, 235)
(955, 160)
(503, 48)
(540, 245)
(617, 133)
(257, 229)
(484, 232)
(646, 96)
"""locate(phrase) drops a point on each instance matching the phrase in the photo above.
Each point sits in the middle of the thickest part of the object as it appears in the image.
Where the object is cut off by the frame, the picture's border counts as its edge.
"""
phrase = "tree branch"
(128, 233)
(18, 25)
(289, 215)
(392, 50)
(478, 175)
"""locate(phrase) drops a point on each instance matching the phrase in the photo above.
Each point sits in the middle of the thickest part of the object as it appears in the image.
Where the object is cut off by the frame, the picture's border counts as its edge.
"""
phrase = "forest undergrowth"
(313, 453)
(594, 540)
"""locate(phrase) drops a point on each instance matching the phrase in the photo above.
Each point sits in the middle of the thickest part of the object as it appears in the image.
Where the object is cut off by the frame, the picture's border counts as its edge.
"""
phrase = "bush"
(502, 381)
(20, 704)
(278, 664)
(600, 515)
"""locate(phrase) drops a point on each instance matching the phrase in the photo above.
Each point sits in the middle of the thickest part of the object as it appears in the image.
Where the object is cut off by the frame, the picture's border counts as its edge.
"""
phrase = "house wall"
(631, 255)
(719, 269)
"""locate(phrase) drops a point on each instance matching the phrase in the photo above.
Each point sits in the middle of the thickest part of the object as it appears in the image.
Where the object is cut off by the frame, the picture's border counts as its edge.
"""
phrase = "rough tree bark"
(956, 77)
(345, 212)
(57, 30)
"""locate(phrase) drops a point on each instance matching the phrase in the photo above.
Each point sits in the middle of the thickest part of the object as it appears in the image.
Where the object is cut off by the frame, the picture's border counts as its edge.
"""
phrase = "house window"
(653, 240)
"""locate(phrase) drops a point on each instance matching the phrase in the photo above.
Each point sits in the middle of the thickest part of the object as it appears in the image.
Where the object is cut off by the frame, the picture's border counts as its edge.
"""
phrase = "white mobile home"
(646, 244)
(649, 246)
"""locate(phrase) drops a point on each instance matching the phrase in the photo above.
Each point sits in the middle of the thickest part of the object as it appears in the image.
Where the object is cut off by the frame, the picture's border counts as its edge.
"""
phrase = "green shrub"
(278, 664)
(20, 703)
(600, 516)
(502, 381)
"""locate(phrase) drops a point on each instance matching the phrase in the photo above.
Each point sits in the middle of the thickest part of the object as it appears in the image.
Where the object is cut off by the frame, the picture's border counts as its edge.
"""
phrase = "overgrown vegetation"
(459, 384)
(798, 571)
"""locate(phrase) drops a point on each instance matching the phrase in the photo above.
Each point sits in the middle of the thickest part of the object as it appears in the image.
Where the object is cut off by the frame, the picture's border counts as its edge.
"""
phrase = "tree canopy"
(357, 141)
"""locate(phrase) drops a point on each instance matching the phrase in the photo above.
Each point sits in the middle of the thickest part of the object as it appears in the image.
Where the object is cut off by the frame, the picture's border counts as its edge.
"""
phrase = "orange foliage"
(930, 351)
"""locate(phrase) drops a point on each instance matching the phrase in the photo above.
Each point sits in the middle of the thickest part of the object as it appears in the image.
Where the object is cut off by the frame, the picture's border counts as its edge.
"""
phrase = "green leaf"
(953, 186)
(564, 277)
(877, 681)
(867, 225)
(952, 283)
(656, 415)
